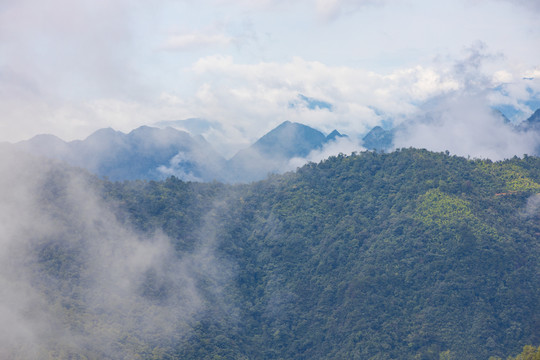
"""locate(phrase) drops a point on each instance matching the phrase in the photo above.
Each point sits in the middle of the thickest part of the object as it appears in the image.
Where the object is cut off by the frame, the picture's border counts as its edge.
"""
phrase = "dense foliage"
(406, 255)
(529, 353)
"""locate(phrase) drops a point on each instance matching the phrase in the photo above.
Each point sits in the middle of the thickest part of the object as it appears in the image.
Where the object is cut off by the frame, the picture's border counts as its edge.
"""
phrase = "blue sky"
(71, 67)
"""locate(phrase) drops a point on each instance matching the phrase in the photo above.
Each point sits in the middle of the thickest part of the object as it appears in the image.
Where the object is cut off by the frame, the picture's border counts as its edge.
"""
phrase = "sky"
(70, 67)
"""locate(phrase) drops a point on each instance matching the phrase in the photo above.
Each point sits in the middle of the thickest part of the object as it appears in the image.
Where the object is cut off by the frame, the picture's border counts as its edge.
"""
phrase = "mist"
(341, 145)
(532, 208)
(466, 126)
(75, 278)
(463, 121)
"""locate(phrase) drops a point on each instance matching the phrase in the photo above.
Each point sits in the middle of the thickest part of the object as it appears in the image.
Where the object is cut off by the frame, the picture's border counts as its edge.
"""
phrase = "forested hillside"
(401, 255)
(405, 255)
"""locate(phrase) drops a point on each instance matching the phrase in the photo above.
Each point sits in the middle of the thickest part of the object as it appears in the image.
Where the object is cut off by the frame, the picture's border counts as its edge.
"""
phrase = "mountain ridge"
(153, 153)
(139, 154)
(272, 152)
(380, 139)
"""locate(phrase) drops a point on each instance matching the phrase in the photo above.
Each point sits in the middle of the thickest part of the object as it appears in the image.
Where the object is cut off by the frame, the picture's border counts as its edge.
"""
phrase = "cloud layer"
(73, 277)
(70, 68)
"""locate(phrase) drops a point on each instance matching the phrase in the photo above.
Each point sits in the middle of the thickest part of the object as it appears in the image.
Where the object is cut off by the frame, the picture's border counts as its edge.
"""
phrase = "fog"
(74, 278)
(341, 145)
(463, 120)
(466, 126)
(532, 208)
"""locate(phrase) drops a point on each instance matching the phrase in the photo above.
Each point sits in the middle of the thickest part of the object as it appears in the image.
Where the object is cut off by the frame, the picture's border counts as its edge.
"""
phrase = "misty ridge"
(156, 153)
(461, 124)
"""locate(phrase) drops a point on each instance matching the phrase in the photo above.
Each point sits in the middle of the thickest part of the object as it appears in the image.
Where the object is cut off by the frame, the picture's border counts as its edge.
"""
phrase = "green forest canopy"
(405, 255)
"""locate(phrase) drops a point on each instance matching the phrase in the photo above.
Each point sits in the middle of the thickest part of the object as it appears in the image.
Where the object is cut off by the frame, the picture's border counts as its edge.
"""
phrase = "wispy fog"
(463, 121)
(465, 125)
(73, 278)
(532, 208)
(344, 145)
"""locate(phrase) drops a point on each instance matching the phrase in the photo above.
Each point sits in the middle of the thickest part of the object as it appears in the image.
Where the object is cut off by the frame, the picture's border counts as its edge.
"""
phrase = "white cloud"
(465, 125)
(343, 145)
(331, 9)
(251, 99)
(196, 40)
(248, 95)
(528, 4)
(69, 68)
(253, 4)
(532, 208)
(65, 46)
(502, 76)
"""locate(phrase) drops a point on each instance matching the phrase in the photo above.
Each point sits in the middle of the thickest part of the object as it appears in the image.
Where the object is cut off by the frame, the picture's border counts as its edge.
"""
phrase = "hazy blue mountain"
(272, 152)
(289, 140)
(378, 139)
(334, 135)
(532, 123)
(535, 118)
(47, 145)
(144, 153)
(155, 153)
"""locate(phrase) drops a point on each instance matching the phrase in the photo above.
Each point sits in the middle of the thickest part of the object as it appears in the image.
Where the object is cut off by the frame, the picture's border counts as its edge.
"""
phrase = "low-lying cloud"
(74, 280)
(341, 145)
(465, 126)
(463, 121)
(532, 208)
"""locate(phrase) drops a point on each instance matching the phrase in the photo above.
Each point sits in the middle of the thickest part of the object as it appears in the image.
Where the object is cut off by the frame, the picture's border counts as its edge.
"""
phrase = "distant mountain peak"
(273, 151)
(290, 139)
(535, 117)
(105, 131)
(45, 139)
(153, 153)
(378, 139)
(532, 123)
(335, 135)
(140, 154)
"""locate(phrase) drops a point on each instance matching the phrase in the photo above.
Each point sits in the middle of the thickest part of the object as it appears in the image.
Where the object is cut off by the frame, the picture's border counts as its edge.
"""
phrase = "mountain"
(155, 153)
(289, 140)
(334, 135)
(144, 153)
(378, 139)
(405, 255)
(402, 255)
(534, 118)
(272, 152)
(532, 123)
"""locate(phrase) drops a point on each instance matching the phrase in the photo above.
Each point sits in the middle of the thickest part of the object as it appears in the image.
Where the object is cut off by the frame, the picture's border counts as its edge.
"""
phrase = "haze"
(69, 68)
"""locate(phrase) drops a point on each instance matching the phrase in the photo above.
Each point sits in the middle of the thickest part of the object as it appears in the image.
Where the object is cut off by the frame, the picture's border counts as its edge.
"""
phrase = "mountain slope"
(271, 153)
(532, 123)
(153, 153)
(404, 255)
(378, 139)
(144, 153)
